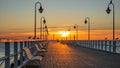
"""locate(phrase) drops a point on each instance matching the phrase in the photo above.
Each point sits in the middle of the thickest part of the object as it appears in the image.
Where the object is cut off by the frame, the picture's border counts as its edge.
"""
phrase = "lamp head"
(47, 32)
(44, 21)
(33, 38)
(108, 10)
(37, 37)
(85, 21)
(46, 26)
(68, 29)
(40, 9)
(111, 2)
(29, 37)
(74, 27)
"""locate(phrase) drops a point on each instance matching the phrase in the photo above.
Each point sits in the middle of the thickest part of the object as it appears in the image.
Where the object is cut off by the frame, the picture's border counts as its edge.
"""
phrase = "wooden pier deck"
(68, 56)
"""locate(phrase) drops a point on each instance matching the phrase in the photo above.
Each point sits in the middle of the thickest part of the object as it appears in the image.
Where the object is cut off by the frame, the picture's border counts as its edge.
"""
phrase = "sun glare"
(64, 33)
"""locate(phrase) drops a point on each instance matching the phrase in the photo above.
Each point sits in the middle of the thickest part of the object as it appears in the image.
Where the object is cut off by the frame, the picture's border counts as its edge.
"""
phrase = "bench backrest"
(28, 53)
(36, 46)
(41, 45)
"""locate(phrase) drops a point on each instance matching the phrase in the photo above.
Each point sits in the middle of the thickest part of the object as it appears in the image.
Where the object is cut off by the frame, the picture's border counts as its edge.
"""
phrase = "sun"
(64, 33)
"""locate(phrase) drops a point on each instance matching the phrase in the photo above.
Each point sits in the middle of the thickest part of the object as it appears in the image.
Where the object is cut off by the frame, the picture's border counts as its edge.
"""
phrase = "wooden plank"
(68, 56)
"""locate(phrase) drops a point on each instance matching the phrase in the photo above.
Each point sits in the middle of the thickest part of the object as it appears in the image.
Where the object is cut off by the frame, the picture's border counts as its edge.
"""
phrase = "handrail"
(2, 59)
(7, 58)
(103, 45)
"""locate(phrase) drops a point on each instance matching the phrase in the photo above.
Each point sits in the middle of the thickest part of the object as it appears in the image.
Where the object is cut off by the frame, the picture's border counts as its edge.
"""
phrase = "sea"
(2, 52)
(2, 48)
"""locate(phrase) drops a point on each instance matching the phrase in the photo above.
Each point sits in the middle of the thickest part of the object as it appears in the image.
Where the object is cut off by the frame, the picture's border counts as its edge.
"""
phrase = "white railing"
(17, 57)
(104, 45)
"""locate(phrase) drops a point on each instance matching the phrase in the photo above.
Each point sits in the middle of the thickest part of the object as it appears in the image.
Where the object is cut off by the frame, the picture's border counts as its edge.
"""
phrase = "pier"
(64, 54)
(69, 56)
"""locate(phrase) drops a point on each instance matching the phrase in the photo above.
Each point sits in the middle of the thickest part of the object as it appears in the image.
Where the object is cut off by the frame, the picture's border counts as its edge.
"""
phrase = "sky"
(17, 16)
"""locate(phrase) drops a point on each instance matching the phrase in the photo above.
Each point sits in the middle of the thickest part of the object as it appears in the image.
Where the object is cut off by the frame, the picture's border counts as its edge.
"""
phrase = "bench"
(32, 61)
(42, 45)
(40, 52)
(39, 49)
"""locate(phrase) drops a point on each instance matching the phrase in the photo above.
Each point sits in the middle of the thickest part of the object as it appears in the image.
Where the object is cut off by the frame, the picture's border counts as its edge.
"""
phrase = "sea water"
(2, 52)
(2, 49)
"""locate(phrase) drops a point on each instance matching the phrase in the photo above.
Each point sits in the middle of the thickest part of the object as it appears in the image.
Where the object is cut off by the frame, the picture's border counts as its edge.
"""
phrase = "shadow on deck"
(67, 56)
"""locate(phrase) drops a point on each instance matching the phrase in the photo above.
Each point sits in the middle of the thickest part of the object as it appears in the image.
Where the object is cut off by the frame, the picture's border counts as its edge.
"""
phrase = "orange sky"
(95, 35)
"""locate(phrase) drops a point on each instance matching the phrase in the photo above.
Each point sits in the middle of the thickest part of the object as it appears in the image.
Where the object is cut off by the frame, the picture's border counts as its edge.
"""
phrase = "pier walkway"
(68, 56)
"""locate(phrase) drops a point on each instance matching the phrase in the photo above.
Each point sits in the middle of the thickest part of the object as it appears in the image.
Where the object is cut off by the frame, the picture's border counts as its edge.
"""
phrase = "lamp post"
(76, 27)
(46, 32)
(53, 36)
(42, 20)
(44, 26)
(87, 20)
(108, 10)
(70, 32)
(40, 10)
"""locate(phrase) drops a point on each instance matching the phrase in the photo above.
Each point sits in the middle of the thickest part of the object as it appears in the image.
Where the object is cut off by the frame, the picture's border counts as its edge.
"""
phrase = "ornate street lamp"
(108, 10)
(70, 32)
(42, 27)
(46, 32)
(40, 10)
(87, 20)
(76, 27)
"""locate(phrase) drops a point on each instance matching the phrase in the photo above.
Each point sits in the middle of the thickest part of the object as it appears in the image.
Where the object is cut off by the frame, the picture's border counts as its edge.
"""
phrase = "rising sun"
(64, 33)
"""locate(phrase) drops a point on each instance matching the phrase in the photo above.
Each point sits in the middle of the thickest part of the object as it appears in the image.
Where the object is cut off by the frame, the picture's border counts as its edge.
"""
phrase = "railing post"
(110, 46)
(105, 45)
(15, 54)
(114, 46)
(84, 43)
(28, 43)
(99, 44)
(25, 44)
(88, 43)
(7, 54)
(102, 44)
(31, 44)
(95, 44)
(92, 43)
(21, 54)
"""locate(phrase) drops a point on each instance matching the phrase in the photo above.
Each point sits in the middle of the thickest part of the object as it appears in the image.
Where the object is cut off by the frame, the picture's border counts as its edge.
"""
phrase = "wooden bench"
(32, 61)
(39, 48)
(40, 52)
(42, 46)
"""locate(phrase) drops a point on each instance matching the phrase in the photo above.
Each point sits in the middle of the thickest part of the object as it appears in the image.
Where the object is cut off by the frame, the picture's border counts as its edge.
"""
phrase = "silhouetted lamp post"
(46, 32)
(40, 10)
(42, 27)
(70, 32)
(87, 20)
(108, 10)
(76, 27)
